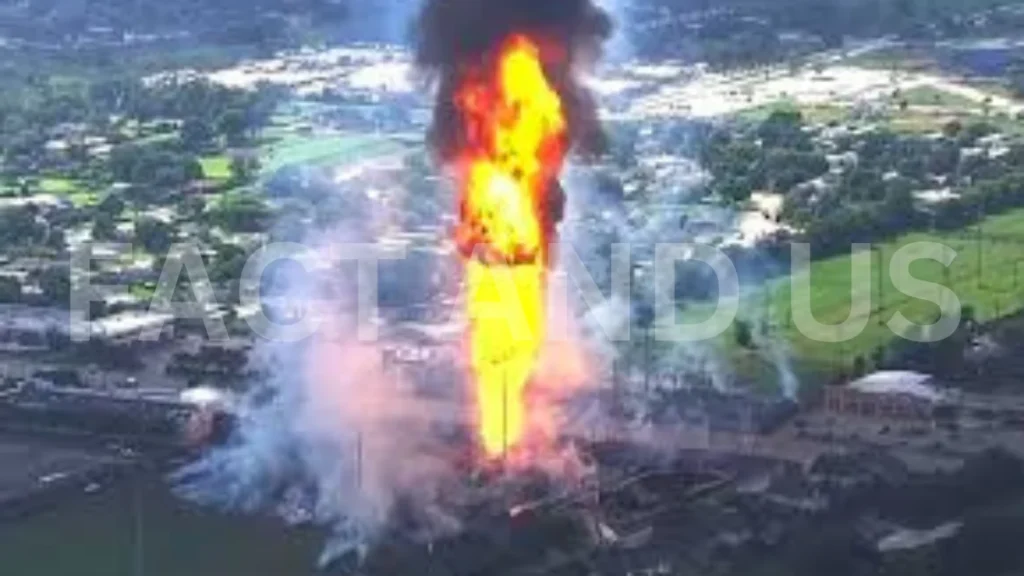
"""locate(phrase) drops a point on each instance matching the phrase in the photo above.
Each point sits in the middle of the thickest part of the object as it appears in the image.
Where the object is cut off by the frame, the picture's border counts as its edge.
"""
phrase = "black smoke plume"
(453, 36)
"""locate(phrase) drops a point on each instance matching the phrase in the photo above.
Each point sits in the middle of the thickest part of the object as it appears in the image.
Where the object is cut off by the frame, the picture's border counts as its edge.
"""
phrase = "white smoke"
(331, 434)
(597, 222)
(620, 46)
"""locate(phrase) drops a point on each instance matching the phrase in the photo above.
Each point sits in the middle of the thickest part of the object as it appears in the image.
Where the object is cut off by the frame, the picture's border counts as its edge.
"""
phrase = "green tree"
(233, 126)
(104, 227)
(244, 169)
(154, 235)
(228, 263)
(112, 205)
(784, 129)
(196, 135)
(55, 284)
(10, 290)
(20, 226)
(241, 213)
(743, 335)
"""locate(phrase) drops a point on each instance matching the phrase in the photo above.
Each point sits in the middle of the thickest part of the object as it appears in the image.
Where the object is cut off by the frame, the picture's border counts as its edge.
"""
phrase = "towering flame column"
(514, 141)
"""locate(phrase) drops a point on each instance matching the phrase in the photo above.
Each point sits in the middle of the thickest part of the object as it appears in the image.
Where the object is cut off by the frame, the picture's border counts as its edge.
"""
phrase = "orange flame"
(514, 143)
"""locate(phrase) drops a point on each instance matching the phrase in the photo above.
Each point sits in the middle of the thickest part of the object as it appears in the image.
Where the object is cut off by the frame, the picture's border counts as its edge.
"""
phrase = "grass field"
(59, 186)
(894, 58)
(932, 96)
(988, 275)
(216, 167)
(324, 150)
(75, 191)
(813, 114)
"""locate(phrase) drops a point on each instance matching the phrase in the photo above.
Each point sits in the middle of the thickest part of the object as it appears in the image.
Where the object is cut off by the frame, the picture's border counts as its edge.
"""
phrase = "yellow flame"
(515, 132)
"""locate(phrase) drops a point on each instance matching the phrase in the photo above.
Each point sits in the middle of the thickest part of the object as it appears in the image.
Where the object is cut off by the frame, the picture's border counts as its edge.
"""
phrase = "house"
(899, 394)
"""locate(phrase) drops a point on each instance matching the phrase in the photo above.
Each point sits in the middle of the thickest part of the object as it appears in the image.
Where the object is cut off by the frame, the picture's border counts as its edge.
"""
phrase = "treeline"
(184, 116)
(267, 23)
(777, 155)
(896, 213)
(864, 189)
(753, 32)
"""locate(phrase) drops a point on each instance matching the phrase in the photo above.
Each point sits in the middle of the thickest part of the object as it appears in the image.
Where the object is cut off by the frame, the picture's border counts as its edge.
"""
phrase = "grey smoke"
(619, 47)
(329, 435)
(593, 223)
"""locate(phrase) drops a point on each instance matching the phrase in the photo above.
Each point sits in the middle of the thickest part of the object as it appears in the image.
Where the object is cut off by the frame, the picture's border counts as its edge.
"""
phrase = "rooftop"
(902, 382)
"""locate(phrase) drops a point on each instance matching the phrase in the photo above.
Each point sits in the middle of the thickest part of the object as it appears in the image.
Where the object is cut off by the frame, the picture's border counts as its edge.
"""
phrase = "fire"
(513, 143)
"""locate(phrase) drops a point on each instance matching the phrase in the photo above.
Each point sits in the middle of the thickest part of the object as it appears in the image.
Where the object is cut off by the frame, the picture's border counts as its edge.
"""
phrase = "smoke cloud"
(452, 36)
(330, 435)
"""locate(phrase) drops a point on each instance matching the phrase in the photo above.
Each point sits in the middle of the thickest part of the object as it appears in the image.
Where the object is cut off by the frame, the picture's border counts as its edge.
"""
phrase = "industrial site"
(306, 295)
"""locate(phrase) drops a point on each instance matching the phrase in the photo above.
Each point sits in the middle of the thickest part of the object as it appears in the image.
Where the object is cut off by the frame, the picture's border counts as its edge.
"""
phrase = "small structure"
(898, 394)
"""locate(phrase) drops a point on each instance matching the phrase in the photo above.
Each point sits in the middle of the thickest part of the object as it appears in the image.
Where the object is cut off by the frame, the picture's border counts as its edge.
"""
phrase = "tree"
(240, 213)
(898, 213)
(228, 263)
(154, 235)
(860, 366)
(785, 168)
(734, 189)
(196, 135)
(743, 335)
(55, 284)
(233, 126)
(104, 227)
(878, 356)
(783, 129)
(10, 290)
(244, 168)
(19, 226)
(112, 205)
(952, 128)
(191, 207)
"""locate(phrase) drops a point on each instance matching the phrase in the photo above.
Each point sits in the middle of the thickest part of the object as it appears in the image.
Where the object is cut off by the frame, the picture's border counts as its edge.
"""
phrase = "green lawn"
(156, 138)
(75, 191)
(918, 121)
(932, 96)
(987, 275)
(812, 114)
(56, 185)
(324, 150)
(894, 58)
(84, 198)
(216, 167)
(143, 291)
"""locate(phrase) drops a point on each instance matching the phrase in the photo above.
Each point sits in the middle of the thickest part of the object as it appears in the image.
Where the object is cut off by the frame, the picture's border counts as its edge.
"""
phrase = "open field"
(987, 274)
(60, 186)
(216, 167)
(324, 150)
(75, 191)
(812, 113)
(926, 95)
(894, 58)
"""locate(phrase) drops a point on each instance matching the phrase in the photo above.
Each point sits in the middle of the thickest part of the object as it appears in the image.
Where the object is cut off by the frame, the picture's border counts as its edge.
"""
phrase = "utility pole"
(981, 251)
(647, 361)
(945, 278)
(137, 557)
(359, 459)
